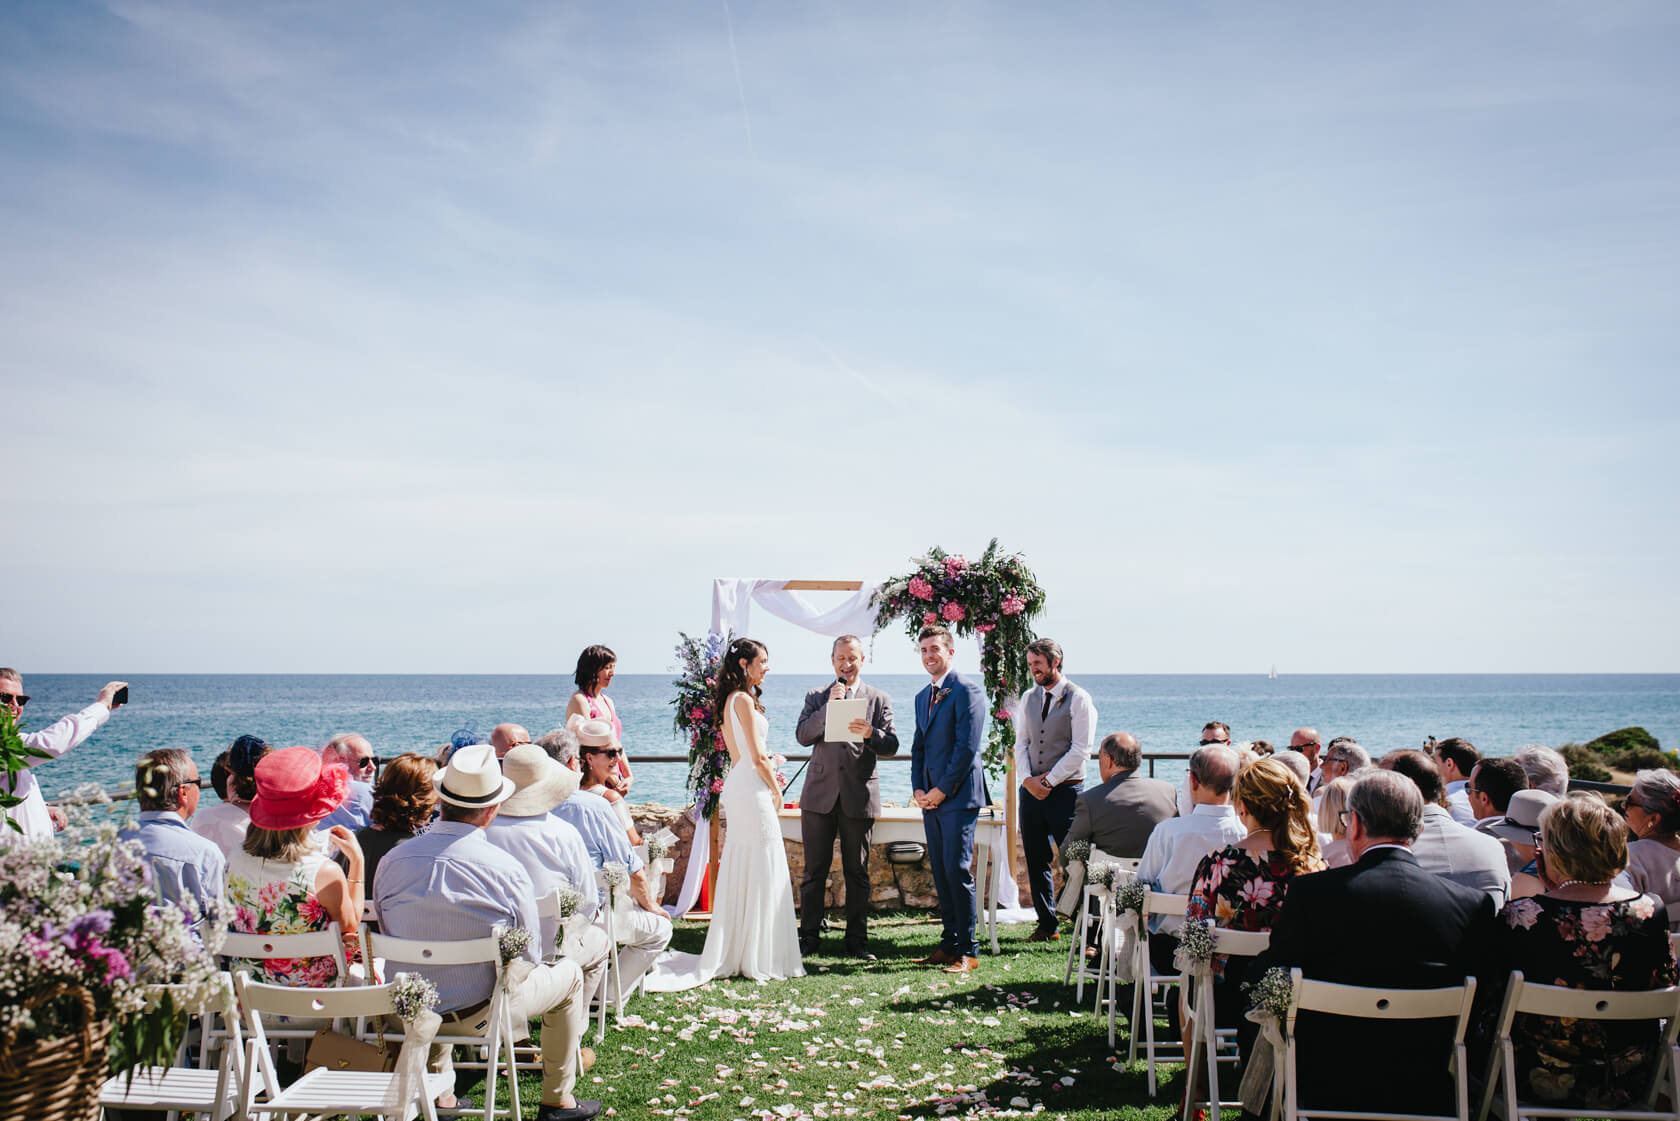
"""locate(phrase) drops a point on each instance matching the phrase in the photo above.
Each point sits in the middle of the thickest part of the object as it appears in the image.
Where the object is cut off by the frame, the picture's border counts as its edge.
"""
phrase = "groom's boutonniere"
(1063, 699)
(938, 695)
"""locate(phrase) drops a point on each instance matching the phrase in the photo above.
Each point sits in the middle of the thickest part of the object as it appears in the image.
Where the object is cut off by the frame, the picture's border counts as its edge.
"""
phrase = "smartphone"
(121, 698)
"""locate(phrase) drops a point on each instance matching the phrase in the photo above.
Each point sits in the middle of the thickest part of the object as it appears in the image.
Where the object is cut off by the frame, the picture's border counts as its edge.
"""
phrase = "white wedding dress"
(754, 932)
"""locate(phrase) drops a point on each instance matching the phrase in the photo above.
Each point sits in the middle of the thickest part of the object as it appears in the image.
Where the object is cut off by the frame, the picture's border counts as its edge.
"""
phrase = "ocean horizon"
(416, 712)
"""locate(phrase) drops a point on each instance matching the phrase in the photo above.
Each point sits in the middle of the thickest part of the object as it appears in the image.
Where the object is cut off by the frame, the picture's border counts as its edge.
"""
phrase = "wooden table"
(904, 823)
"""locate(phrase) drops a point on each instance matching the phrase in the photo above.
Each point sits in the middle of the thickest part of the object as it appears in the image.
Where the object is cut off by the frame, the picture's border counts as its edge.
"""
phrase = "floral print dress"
(272, 897)
(1619, 946)
(1238, 891)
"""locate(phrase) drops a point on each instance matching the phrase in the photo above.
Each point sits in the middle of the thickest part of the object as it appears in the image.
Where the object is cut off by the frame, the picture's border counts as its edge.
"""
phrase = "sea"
(205, 712)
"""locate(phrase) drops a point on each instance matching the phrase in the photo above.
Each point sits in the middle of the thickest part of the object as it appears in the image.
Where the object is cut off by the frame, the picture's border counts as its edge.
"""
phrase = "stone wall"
(890, 885)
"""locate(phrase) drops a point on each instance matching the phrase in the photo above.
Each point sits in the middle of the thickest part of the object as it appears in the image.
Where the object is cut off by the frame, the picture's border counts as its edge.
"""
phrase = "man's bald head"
(1119, 752)
(1213, 768)
(1305, 740)
(505, 737)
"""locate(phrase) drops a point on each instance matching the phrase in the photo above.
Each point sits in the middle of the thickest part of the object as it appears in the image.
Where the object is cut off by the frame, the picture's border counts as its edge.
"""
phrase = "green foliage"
(1626, 749)
(1641, 759)
(15, 758)
(1622, 739)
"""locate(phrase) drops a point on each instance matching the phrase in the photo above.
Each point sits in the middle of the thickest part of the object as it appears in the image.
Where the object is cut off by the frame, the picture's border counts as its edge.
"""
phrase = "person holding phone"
(25, 809)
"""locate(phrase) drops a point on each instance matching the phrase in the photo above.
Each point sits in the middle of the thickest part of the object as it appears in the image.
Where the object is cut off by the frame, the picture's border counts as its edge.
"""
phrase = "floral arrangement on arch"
(996, 597)
(698, 662)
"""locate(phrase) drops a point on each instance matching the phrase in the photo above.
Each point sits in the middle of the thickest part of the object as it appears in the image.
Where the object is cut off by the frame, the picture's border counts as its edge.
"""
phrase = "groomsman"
(1055, 729)
(841, 796)
(949, 784)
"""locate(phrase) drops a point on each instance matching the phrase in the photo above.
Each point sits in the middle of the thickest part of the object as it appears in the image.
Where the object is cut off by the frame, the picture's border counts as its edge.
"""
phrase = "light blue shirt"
(186, 869)
(451, 883)
(603, 833)
(1178, 844)
(552, 852)
(355, 812)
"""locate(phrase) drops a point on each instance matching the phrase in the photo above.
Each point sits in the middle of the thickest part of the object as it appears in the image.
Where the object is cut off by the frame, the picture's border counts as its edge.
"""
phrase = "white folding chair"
(240, 949)
(1206, 1037)
(325, 1092)
(610, 989)
(1148, 983)
(655, 871)
(1376, 1004)
(1523, 998)
(495, 1044)
(1093, 893)
(217, 1091)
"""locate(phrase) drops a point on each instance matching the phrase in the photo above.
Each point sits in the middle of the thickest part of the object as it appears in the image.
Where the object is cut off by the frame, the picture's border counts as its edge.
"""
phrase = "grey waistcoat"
(1051, 738)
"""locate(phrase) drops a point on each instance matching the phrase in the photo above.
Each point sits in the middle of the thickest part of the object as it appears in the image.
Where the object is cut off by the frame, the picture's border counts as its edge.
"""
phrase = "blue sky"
(357, 338)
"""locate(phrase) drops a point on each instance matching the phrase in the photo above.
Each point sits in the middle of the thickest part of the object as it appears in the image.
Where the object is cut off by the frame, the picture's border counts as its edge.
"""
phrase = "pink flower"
(920, 588)
(1013, 604)
(311, 911)
(1522, 912)
(929, 618)
(717, 786)
(1217, 870)
(1595, 923)
(1257, 893)
(954, 612)
(697, 713)
(986, 628)
(954, 565)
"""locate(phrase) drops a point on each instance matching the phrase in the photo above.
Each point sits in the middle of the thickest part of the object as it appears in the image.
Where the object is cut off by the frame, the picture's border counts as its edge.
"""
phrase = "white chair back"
(1147, 983)
(1205, 1036)
(218, 1091)
(328, 943)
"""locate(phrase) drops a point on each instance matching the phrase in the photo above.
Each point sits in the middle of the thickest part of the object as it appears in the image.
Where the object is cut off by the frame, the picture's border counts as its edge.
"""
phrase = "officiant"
(841, 797)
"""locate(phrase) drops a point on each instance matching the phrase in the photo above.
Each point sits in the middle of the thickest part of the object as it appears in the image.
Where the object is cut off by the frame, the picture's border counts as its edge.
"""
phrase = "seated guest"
(223, 819)
(1261, 748)
(644, 929)
(1546, 769)
(1585, 932)
(224, 825)
(505, 737)
(451, 882)
(1519, 832)
(1445, 847)
(187, 870)
(552, 852)
(1456, 758)
(1298, 764)
(1490, 788)
(1653, 814)
(1385, 922)
(1178, 844)
(283, 881)
(601, 752)
(404, 801)
(1343, 758)
(1332, 831)
(1241, 886)
(355, 753)
(1117, 815)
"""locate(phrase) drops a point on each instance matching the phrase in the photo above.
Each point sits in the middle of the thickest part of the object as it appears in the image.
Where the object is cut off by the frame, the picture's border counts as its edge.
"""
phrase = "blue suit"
(945, 756)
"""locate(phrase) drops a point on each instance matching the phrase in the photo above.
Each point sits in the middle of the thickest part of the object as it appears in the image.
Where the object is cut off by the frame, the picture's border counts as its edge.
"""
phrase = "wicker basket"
(55, 1079)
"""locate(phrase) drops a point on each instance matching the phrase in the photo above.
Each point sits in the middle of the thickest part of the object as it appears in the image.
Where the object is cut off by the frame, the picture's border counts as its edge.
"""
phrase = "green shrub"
(1641, 759)
(1624, 739)
(1589, 772)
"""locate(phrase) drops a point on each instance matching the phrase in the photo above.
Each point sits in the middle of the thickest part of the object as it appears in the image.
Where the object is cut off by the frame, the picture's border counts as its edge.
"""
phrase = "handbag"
(337, 1051)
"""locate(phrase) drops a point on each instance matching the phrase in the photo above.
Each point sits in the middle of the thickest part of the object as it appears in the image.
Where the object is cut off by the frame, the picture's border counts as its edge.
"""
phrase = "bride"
(753, 932)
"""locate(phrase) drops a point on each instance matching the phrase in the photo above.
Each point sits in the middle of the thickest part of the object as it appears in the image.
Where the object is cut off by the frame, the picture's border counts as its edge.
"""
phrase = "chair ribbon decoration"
(415, 999)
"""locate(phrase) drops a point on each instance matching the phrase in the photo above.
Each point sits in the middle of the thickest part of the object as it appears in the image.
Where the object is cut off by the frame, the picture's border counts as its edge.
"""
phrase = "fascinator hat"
(294, 789)
(591, 733)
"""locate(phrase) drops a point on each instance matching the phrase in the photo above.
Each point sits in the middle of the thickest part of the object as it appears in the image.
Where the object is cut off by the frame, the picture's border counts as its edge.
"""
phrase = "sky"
(451, 338)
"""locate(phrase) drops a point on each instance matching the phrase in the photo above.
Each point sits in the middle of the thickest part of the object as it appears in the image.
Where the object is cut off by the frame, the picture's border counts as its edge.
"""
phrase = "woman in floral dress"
(1585, 933)
(1242, 886)
(283, 881)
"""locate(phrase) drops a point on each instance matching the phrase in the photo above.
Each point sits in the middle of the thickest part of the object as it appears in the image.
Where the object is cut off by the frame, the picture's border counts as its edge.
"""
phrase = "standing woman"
(593, 674)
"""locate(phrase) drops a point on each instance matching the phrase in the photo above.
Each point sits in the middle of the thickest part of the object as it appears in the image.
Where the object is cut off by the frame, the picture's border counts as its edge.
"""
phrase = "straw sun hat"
(473, 779)
(539, 782)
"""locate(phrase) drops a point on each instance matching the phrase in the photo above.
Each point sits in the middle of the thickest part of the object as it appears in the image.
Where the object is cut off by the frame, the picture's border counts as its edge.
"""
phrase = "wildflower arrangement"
(1274, 992)
(414, 996)
(513, 943)
(1195, 942)
(77, 909)
(1077, 852)
(698, 660)
(996, 597)
(1129, 896)
(661, 845)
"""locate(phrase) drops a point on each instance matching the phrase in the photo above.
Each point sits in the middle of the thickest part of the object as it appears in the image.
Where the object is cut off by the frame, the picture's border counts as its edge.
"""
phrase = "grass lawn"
(883, 1039)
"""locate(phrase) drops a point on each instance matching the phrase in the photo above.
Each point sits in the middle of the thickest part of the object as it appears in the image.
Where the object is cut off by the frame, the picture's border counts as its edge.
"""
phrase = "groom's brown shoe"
(938, 957)
(963, 965)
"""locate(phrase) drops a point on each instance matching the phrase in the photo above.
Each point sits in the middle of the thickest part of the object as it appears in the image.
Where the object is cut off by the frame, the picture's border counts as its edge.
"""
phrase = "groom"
(950, 786)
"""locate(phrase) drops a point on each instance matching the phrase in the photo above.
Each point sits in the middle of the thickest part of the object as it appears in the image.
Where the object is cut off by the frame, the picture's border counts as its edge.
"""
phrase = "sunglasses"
(609, 752)
(1205, 743)
(365, 763)
(20, 699)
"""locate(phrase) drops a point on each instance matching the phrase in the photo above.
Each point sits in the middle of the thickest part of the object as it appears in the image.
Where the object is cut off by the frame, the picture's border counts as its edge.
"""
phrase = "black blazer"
(1386, 923)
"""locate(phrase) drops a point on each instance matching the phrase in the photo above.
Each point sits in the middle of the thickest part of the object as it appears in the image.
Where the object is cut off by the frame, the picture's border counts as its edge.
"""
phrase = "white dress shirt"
(1458, 803)
(552, 852)
(1084, 715)
(1178, 844)
(55, 739)
(223, 825)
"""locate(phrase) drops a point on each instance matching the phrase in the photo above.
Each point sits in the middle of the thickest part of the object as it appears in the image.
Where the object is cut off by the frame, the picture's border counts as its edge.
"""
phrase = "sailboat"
(1273, 675)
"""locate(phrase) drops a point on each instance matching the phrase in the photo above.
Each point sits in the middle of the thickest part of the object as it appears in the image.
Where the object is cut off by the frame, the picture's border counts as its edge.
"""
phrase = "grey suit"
(1462, 855)
(841, 797)
(1118, 815)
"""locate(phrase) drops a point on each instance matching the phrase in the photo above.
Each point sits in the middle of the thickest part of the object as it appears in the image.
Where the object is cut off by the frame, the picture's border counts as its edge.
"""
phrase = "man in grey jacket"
(1443, 846)
(841, 797)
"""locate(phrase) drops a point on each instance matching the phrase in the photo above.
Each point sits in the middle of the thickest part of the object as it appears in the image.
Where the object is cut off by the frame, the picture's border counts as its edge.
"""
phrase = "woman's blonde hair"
(1584, 839)
(1332, 801)
(1277, 800)
(287, 846)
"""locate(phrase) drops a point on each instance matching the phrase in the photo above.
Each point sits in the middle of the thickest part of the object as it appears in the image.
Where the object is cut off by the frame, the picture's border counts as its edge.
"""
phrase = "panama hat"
(539, 782)
(1522, 816)
(295, 790)
(591, 733)
(473, 779)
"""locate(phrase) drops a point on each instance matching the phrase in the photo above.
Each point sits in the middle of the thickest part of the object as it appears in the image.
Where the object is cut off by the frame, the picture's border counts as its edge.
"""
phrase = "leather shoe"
(581, 1112)
(963, 965)
(860, 951)
(1043, 935)
(938, 957)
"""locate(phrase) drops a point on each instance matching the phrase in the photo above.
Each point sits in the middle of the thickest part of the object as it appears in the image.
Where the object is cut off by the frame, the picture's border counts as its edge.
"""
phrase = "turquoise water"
(205, 712)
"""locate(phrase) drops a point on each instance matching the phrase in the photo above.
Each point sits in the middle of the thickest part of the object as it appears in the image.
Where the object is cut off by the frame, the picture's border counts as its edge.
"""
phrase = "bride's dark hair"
(732, 676)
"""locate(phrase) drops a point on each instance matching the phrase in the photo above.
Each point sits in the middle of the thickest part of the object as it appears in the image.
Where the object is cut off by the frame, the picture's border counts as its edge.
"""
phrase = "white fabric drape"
(732, 601)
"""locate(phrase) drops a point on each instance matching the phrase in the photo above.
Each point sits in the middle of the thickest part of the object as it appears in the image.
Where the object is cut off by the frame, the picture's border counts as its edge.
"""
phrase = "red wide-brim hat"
(294, 790)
